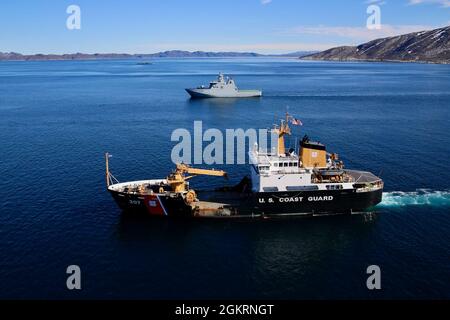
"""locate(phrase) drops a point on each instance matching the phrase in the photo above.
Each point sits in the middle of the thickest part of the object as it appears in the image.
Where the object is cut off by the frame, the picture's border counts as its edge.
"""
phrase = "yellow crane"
(177, 179)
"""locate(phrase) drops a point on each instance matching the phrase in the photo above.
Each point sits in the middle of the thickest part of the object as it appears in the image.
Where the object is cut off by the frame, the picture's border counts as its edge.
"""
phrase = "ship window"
(291, 164)
(270, 189)
(285, 164)
(276, 164)
(295, 164)
(334, 187)
(302, 188)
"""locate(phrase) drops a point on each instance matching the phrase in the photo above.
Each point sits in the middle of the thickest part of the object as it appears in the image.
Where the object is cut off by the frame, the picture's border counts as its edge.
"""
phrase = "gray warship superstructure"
(222, 88)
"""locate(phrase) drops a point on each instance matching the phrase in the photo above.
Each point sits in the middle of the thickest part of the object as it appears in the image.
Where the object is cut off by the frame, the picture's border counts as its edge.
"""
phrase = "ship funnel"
(313, 154)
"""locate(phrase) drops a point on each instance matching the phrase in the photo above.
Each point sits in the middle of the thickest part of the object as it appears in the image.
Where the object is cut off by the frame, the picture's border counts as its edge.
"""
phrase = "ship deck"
(210, 209)
(136, 187)
(362, 176)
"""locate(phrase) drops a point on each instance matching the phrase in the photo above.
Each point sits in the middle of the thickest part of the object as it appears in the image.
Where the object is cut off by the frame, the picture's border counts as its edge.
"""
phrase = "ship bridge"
(266, 163)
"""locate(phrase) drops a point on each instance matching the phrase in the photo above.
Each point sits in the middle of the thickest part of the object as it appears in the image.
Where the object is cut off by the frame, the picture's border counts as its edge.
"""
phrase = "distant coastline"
(14, 56)
(431, 46)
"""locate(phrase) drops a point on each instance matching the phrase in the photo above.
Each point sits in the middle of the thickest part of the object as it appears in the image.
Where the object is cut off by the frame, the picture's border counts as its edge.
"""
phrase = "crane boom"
(206, 172)
(177, 179)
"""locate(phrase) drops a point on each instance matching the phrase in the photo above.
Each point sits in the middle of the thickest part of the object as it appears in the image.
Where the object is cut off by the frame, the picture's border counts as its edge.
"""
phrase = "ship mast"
(107, 169)
(283, 130)
(110, 179)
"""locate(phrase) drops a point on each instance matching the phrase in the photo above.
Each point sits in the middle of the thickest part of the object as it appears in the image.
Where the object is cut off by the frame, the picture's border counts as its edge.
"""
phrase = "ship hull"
(207, 93)
(239, 205)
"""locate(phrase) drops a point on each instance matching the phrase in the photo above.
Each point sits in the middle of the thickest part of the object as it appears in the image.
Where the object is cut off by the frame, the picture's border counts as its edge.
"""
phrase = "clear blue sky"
(144, 26)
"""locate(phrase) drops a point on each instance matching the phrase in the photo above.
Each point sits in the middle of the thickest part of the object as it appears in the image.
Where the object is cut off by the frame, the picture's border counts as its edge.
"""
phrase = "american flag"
(296, 122)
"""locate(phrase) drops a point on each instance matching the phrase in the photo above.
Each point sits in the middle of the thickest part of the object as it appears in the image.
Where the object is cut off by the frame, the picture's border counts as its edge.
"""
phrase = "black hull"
(267, 204)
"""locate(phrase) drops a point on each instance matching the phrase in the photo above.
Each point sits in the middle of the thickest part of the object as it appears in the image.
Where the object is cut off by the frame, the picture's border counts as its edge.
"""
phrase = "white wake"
(421, 197)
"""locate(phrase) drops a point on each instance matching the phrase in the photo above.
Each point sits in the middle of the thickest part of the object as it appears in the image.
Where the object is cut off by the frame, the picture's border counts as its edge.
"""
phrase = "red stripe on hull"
(154, 205)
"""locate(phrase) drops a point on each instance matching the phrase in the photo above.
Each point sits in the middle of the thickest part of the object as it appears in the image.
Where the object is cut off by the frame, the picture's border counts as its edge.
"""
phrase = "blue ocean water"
(57, 118)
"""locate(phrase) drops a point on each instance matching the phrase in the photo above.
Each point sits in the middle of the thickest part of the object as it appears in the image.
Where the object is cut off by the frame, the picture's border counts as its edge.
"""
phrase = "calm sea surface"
(58, 118)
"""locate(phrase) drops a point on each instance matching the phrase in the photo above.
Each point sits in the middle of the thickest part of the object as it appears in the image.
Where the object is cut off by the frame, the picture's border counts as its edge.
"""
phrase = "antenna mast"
(107, 169)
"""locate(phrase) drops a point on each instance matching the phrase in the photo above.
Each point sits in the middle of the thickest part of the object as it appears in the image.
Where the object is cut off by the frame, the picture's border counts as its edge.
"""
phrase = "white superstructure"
(272, 172)
(312, 170)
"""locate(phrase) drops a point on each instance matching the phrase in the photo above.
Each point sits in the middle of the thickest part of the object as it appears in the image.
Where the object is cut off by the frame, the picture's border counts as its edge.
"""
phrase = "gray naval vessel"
(222, 88)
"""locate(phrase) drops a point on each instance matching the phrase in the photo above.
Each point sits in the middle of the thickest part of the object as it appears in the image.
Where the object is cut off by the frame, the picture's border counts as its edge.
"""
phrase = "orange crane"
(177, 179)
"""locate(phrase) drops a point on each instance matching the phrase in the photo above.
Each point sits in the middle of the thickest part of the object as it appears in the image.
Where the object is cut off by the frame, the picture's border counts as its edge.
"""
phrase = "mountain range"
(163, 54)
(425, 46)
